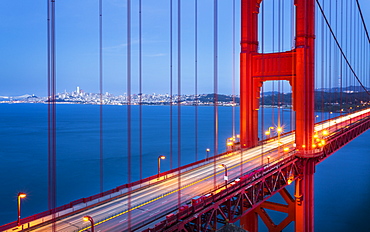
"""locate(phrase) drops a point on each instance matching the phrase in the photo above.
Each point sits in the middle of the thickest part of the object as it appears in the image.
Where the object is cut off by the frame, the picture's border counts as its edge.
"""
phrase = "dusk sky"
(23, 45)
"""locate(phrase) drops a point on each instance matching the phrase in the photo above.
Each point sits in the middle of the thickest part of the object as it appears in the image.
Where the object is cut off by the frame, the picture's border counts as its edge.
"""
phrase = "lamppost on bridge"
(268, 132)
(88, 218)
(20, 196)
(268, 160)
(225, 176)
(207, 150)
(161, 157)
(279, 130)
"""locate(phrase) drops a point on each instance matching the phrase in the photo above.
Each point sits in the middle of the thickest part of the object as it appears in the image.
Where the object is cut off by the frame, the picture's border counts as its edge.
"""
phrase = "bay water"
(342, 182)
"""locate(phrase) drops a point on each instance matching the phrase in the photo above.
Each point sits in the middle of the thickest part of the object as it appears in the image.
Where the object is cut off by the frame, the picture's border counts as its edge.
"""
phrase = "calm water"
(342, 182)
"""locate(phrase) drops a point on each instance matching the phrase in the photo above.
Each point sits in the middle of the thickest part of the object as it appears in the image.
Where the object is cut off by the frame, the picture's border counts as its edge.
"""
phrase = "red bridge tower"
(295, 66)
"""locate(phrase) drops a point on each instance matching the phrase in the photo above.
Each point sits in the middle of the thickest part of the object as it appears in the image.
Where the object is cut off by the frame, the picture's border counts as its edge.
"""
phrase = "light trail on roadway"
(159, 199)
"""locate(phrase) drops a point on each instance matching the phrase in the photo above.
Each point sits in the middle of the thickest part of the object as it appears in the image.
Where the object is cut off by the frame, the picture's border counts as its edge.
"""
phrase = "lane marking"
(167, 194)
(186, 186)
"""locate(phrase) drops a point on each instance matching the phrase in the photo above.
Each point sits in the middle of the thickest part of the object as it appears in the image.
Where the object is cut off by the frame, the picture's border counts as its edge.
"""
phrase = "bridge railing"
(101, 198)
(208, 200)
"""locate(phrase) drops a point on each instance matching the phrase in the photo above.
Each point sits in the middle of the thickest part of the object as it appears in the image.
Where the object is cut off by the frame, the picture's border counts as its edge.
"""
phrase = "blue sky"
(23, 45)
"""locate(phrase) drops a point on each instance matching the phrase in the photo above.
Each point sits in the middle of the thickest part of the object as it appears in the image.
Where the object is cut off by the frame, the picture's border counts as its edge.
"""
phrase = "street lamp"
(207, 150)
(279, 130)
(20, 196)
(159, 163)
(225, 176)
(268, 132)
(88, 218)
(268, 160)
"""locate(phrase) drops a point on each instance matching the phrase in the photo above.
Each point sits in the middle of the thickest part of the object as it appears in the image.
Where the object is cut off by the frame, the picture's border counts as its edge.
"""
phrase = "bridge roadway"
(151, 203)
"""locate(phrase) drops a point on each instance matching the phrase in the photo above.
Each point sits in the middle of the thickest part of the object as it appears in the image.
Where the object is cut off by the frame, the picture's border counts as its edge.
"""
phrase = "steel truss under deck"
(250, 194)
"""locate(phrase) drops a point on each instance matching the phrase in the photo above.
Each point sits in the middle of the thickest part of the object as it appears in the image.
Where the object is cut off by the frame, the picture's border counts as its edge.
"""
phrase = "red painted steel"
(230, 204)
(172, 172)
(247, 196)
(335, 141)
(296, 66)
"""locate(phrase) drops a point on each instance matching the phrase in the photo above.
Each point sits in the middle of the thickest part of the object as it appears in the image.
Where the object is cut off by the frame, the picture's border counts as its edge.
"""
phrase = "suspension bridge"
(329, 54)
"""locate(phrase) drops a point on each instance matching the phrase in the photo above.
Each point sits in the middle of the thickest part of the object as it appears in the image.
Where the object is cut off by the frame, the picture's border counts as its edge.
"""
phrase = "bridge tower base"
(304, 195)
(298, 209)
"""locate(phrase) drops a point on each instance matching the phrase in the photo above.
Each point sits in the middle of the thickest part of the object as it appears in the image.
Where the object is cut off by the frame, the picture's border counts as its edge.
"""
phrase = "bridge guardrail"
(70, 207)
(82, 203)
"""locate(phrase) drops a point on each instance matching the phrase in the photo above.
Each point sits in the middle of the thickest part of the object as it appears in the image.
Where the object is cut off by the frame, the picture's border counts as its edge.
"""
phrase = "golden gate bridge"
(236, 185)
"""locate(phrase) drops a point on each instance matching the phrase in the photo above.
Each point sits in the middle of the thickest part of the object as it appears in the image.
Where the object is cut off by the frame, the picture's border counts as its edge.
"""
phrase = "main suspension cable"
(340, 48)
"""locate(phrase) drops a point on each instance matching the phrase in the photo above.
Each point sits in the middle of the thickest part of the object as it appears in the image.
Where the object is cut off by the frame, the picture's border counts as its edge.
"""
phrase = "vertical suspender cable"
(324, 64)
(330, 59)
(101, 94)
(263, 69)
(351, 32)
(341, 60)
(279, 49)
(140, 95)
(215, 87)
(322, 61)
(49, 103)
(196, 78)
(51, 111)
(179, 99)
(355, 46)
(129, 109)
(233, 85)
(347, 73)
(336, 60)
(233, 73)
(171, 91)
(292, 36)
(273, 50)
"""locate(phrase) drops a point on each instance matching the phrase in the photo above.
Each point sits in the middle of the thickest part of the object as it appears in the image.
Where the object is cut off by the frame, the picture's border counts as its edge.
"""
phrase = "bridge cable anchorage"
(340, 48)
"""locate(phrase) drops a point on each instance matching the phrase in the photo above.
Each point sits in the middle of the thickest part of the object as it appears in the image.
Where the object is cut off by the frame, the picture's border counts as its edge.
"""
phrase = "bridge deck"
(153, 199)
